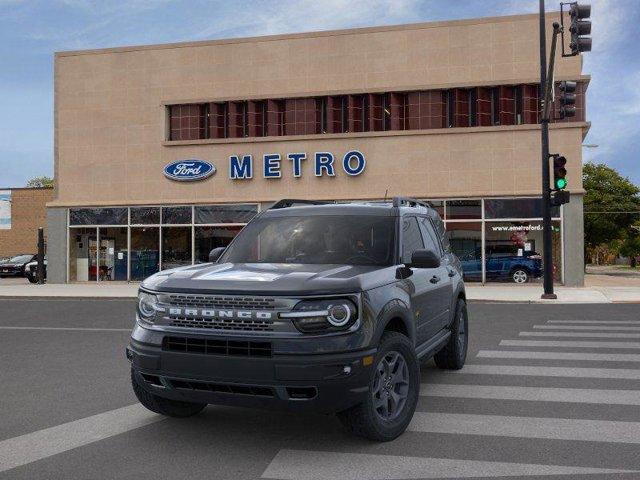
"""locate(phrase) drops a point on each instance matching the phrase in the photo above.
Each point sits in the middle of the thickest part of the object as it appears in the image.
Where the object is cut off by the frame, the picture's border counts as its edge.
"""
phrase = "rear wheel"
(32, 278)
(454, 354)
(164, 406)
(393, 392)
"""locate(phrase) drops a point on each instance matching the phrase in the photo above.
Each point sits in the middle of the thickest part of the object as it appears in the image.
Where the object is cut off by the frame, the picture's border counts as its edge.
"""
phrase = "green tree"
(631, 245)
(611, 205)
(40, 182)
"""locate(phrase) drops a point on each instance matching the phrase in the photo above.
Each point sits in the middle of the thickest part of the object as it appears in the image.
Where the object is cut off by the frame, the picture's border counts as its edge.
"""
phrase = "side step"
(431, 347)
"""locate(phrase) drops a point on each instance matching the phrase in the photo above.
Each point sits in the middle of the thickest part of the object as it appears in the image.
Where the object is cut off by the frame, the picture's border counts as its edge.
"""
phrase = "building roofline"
(312, 34)
(26, 188)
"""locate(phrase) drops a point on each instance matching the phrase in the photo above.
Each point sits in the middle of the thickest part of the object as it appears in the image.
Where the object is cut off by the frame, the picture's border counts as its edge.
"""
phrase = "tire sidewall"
(388, 430)
(461, 316)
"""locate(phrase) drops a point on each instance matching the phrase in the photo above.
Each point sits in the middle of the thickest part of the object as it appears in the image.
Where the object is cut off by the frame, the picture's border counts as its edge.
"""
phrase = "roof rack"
(410, 202)
(291, 202)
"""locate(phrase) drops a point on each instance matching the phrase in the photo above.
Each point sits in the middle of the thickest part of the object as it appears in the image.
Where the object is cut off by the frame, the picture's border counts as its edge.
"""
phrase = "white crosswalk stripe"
(626, 335)
(597, 357)
(31, 447)
(568, 344)
(317, 465)
(589, 327)
(527, 427)
(599, 322)
(546, 371)
(534, 394)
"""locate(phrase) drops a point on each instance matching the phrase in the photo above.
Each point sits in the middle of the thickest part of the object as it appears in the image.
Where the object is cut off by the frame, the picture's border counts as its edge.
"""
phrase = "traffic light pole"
(547, 261)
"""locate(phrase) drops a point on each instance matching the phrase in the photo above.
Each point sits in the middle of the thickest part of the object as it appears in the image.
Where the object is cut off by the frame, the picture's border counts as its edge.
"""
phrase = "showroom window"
(120, 243)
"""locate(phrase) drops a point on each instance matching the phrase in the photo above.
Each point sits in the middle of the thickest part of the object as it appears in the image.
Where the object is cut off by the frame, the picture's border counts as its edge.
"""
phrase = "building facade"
(22, 212)
(444, 111)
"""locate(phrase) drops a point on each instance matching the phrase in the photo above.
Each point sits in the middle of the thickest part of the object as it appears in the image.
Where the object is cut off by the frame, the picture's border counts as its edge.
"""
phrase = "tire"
(164, 406)
(454, 353)
(367, 419)
(32, 279)
(519, 275)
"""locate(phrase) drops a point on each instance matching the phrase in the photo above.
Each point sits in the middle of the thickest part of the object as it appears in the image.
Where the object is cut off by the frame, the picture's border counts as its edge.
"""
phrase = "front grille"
(215, 301)
(207, 346)
(223, 388)
(228, 324)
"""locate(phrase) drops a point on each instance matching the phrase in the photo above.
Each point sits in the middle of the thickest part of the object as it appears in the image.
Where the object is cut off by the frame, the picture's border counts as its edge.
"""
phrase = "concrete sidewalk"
(487, 293)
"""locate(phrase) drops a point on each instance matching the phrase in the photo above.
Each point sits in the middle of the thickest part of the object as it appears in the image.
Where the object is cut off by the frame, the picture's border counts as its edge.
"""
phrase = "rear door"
(440, 278)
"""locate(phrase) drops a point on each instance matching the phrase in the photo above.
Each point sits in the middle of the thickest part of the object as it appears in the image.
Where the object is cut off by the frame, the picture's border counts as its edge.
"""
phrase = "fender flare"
(395, 309)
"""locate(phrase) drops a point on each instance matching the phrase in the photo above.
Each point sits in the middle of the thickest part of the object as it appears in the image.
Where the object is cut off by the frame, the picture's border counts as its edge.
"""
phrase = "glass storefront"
(500, 239)
(496, 239)
(121, 243)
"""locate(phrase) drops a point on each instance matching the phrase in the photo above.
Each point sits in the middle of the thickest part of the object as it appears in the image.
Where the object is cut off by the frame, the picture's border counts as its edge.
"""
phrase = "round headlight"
(339, 314)
(147, 304)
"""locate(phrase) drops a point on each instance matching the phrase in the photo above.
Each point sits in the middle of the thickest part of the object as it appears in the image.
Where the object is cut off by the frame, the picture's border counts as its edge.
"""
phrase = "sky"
(31, 30)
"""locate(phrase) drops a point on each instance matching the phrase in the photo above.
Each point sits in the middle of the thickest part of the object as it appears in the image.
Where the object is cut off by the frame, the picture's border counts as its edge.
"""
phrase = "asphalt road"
(548, 392)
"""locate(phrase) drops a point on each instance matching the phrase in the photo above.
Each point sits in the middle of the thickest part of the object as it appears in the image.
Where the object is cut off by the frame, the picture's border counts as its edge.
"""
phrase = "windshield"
(346, 240)
(20, 259)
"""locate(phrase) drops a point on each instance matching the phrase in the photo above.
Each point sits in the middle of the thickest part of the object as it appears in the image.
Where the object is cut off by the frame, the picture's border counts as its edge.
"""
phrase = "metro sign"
(324, 163)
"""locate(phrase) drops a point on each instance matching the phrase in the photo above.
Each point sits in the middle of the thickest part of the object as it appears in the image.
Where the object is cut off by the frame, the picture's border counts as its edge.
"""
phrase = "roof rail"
(410, 202)
(291, 202)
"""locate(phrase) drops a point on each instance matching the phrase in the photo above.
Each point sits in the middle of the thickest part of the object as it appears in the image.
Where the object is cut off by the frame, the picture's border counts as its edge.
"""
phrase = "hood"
(270, 279)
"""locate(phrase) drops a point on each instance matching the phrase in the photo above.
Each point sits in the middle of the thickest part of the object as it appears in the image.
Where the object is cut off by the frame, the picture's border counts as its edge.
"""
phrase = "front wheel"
(520, 275)
(32, 278)
(393, 392)
(454, 353)
(164, 406)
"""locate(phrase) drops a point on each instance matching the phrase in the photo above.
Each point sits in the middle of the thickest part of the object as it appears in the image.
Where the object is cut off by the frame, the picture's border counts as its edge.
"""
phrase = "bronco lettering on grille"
(213, 313)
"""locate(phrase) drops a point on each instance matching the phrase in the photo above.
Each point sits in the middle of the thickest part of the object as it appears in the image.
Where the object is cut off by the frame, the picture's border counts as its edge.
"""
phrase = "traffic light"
(559, 172)
(580, 27)
(559, 198)
(567, 98)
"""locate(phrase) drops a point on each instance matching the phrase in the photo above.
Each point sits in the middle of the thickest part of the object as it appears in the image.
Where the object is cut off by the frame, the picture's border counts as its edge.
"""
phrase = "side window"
(411, 238)
(430, 239)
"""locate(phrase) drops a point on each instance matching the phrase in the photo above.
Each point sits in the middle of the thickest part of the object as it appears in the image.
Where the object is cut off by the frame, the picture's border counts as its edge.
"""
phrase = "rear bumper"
(325, 383)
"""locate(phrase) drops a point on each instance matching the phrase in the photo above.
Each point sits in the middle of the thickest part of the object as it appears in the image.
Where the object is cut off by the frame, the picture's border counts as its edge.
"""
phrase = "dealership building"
(163, 152)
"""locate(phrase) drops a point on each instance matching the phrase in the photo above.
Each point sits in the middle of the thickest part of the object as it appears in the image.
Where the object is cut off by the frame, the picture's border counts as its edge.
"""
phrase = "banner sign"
(5, 209)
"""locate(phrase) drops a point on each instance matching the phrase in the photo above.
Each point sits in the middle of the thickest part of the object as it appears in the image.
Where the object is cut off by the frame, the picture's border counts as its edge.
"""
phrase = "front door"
(424, 290)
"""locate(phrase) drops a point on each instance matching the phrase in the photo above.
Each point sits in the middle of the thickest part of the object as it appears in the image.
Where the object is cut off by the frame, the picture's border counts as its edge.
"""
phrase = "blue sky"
(31, 30)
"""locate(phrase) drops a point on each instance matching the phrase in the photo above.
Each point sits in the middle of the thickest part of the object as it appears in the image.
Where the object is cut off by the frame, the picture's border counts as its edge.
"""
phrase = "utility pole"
(580, 27)
(547, 257)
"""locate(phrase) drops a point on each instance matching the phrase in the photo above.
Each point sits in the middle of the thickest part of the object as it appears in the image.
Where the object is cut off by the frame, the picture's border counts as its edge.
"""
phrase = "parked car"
(326, 308)
(31, 270)
(502, 263)
(14, 267)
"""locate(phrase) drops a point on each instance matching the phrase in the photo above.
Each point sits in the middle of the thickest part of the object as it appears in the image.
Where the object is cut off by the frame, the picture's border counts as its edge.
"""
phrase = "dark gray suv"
(321, 307)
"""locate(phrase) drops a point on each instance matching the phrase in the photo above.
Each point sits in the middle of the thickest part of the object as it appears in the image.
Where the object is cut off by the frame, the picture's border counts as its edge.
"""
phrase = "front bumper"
(323, 383)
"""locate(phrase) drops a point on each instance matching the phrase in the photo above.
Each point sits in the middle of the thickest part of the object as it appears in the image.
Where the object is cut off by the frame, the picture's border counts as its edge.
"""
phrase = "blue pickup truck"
(502, 264)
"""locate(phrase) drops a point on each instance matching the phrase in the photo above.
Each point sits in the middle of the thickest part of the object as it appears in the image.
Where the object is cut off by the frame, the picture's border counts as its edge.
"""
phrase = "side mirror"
(215, 254)
(425, 259)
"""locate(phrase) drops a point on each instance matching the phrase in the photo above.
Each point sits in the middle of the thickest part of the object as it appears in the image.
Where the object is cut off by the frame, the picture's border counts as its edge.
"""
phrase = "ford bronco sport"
(312, 307)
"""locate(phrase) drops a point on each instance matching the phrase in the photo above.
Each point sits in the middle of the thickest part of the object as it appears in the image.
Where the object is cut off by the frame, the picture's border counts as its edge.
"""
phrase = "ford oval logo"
(188, 170)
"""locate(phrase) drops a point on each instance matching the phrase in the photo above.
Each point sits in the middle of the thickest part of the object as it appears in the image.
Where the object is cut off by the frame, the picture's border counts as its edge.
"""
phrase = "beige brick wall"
(28, 212)
(110, 114)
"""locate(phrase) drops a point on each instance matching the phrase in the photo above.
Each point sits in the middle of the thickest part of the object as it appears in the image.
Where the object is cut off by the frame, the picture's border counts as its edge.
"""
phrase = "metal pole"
(40, 257)
(546, 192)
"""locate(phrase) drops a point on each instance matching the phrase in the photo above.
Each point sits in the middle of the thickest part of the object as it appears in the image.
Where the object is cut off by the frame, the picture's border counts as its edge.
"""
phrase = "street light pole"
(547, 261)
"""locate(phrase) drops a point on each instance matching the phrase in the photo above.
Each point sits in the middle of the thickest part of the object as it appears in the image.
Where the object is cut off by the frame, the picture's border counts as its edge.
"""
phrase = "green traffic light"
(561, 183)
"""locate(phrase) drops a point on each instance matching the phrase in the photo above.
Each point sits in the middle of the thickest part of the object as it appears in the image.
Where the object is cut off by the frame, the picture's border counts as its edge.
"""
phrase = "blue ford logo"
(187, 170)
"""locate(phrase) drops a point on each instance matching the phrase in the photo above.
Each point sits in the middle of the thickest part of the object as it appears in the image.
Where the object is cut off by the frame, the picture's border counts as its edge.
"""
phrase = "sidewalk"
(485, 293)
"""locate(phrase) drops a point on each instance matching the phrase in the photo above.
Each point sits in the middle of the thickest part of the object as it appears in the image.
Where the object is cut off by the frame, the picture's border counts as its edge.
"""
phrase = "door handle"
(435, 279)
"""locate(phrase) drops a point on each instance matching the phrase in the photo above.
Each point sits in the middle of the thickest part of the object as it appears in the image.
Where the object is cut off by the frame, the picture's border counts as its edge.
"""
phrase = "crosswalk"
(550, 364)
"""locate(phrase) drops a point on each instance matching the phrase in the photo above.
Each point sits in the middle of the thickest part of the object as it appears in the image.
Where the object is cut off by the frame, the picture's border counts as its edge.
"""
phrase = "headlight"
(147, 303)
(317, 316)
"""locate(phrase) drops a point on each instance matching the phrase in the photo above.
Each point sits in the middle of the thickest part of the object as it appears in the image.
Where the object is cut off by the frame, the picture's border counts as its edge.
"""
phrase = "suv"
(312, 307)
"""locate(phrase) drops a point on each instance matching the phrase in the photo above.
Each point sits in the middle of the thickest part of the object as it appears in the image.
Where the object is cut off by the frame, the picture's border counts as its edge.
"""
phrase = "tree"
(631, 246)
(40, 182)
(611, 205)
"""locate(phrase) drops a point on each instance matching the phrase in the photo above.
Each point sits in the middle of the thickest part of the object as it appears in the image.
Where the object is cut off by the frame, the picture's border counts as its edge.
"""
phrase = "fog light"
(346, 369)
(368, 360)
